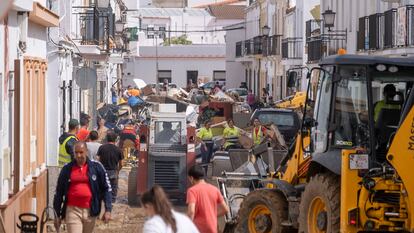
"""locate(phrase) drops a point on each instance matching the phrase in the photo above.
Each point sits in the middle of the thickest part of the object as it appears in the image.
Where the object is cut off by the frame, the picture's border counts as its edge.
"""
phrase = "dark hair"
(230, 119)
(390, 90)
(162, 206)
(196, 172)
(93, 135)
(111, 136)
(84, 121)
(73, 123)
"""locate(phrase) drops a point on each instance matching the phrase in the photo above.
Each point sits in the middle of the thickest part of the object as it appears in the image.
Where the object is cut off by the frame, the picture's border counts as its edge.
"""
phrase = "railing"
(248, 47)
(391, 29)
(94, 26)
(292, 48)
(275, 45)
(258, 45)
(239, 49)
(322, 43)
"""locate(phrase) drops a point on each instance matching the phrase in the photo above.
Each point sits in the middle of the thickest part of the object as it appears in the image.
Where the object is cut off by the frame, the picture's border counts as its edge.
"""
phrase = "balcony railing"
(391, 29)
(322, 43)
(292, 48)
(239, 49)
(259, 45)
(95, 26)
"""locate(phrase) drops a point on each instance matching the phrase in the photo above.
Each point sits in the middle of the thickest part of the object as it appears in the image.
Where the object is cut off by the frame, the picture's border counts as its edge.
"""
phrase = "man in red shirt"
(205, 202)
(83, 132)
(82, 186)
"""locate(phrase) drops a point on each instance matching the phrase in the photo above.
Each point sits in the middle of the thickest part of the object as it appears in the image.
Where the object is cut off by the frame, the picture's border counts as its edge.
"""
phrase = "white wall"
(235, 71)
(203, 58)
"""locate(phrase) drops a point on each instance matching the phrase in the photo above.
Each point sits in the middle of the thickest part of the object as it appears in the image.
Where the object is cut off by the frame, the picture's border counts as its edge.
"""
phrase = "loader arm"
(401, 157)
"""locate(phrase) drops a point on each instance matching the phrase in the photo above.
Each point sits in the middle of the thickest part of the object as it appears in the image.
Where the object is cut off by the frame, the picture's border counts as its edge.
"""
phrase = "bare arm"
(191, 211)
(222, 209)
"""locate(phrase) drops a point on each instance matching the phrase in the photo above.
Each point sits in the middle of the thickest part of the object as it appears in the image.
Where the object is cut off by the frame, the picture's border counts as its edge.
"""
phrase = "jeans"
(206, 154)
(78, 220)
(113, 179)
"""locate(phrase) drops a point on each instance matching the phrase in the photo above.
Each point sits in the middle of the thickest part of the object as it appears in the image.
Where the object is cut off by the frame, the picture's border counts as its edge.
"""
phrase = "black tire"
(322, 188)
(133, 198)
(275, 203)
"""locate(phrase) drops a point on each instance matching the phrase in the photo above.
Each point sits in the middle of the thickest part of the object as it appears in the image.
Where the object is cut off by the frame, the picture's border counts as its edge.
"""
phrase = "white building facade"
(178, 64)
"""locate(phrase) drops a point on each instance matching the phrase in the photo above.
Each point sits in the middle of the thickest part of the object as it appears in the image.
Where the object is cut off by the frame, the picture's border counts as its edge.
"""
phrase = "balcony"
(320, 43)
(259, 46)
(95, 27)
(292, 48)
(392, 29)
(239, 49)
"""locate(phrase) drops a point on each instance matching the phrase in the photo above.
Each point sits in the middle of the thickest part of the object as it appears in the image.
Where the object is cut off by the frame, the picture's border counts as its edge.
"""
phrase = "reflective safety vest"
(64, 156)
(230, 132)
(257, 139)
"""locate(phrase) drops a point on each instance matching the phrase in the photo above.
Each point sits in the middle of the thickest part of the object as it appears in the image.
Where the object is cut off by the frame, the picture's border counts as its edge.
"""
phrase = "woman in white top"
(161, 217)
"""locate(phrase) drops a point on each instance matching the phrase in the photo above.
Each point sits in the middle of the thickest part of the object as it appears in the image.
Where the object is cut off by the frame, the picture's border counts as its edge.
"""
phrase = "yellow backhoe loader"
(350, 168)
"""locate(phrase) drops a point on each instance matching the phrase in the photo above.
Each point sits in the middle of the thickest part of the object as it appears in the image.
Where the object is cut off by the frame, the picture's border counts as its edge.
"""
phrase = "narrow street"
(125, 219)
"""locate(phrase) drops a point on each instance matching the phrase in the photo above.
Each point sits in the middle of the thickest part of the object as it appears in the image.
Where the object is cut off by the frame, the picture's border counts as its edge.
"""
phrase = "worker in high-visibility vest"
(205, 137)
(230, 134)
(258, 133)
(67, 142)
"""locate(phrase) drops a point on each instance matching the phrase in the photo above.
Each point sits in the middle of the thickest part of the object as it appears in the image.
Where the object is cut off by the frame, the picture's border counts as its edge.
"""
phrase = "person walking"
(93, 145)
(111, 158)
(83, 133)
(251, 100)
(102, 130)
(204, 201)
(67, 142)
(161, 216)
(82, 186)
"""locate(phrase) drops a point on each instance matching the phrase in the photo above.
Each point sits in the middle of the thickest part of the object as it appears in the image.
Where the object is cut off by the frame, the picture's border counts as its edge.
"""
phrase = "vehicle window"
(208, 85)
(242, 92)
(351, 108)
(167, 132)
(277, 119)
(322, 105)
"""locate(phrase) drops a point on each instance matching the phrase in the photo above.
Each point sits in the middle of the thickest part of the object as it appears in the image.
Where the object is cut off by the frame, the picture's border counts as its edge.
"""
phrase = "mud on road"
(125, 218)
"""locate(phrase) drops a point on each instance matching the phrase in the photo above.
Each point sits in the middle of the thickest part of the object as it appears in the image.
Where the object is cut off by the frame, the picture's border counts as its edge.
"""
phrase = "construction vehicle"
(166, 152)
(350, 168)
(296, 101)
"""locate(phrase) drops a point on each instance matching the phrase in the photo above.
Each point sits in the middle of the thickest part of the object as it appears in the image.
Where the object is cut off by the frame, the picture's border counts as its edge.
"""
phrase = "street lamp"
(329, 18)
(265, 30)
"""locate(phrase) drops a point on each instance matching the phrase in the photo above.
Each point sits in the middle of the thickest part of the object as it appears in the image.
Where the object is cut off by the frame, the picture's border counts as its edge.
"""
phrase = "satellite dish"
(86, 78)
(4, 8)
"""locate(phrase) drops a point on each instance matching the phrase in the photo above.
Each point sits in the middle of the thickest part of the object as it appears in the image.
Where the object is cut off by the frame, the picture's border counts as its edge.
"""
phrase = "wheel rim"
(317, 216)
(260, 220)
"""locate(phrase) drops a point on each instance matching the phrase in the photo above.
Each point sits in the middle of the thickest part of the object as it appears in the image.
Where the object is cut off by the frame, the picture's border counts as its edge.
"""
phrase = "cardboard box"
(148, 90)
(217, 120)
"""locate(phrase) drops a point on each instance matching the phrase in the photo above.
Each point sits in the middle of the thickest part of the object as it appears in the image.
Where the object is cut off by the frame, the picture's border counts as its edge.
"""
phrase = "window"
(192, 76)
(322, 107)
(277, 119)
(351, 108)
(164, 74)
(219, 75)
(168, 132)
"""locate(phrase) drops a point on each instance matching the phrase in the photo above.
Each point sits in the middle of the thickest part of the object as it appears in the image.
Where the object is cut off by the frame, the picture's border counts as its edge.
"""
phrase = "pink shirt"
(206, 197)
